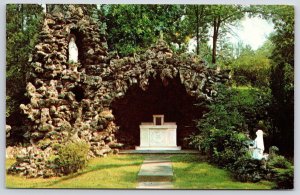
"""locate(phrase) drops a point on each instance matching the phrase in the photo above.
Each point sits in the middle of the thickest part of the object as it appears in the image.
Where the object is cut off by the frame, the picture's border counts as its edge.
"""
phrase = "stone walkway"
(156, 173)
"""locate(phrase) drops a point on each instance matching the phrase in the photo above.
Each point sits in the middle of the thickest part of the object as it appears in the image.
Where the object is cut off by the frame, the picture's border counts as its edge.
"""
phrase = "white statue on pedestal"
(73, 50)
(258, 146)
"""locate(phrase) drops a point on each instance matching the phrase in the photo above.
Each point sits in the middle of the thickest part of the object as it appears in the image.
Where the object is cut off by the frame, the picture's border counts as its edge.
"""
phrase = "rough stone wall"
(71, 101)
(55, 113)
(160, 62)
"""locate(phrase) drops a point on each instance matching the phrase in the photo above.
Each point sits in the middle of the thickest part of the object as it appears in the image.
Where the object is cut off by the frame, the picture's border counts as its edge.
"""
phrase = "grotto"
(102, 98)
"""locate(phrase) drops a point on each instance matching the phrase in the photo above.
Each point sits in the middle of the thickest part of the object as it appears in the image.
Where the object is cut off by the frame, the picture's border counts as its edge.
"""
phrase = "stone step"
(156, 169)
(159, 152)
(155, 185)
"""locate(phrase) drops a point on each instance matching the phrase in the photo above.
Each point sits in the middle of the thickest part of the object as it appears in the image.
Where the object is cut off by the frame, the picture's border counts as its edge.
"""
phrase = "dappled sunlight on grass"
(193, 173)
(190, 171)
(110, 172)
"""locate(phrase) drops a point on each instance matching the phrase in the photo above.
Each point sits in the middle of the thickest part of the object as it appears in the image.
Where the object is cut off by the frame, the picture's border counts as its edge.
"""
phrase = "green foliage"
(23, 22)
(227, 147)
(238, 108)
(222, 17)
(254, 105)
(72, 156)
(247, 169)
(282, 72)
(279, 161)
(282, 85)
(282, 172)
(253, 67)
(193, 172)
(285, 178)
(133, 28)
(9, 106)
(223, 131)
(197, 25)
(115, 171)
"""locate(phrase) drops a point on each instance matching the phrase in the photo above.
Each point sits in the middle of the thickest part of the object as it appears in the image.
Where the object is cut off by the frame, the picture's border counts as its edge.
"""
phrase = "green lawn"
(111, 172)
(121, 172)
(193, 173)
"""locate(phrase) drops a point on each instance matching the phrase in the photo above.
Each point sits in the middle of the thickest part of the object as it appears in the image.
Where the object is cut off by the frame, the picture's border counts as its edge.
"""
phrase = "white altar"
(158, 135)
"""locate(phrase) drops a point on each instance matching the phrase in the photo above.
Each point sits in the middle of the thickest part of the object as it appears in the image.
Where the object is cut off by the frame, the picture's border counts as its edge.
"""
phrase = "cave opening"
(170, 100)
(78, 92)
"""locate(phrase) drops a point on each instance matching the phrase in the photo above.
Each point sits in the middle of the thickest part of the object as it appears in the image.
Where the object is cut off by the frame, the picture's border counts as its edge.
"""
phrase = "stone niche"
(158, 135)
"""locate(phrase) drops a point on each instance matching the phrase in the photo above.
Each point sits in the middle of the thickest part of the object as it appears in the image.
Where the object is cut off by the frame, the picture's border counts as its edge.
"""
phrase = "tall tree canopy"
(282, 72)
(133, 28)
(222, 16)
(282, 76)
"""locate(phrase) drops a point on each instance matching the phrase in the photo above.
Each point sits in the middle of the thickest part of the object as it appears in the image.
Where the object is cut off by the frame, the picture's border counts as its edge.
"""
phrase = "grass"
(120, 172)
(111, 172)
(193, 173)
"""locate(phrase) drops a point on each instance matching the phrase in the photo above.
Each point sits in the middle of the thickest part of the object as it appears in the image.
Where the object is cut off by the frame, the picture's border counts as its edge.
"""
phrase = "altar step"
(156, 173)
(159, 152)
(158, 148)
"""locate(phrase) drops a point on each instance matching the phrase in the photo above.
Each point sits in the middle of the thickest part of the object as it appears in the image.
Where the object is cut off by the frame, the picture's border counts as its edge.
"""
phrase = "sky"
(252, 31)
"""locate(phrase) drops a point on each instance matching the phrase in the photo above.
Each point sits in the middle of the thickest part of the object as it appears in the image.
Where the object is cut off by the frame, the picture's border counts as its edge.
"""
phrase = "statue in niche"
(73, 50)
(258, 146)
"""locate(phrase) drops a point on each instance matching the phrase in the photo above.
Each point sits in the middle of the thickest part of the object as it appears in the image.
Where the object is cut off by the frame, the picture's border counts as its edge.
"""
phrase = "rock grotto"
(102, 98)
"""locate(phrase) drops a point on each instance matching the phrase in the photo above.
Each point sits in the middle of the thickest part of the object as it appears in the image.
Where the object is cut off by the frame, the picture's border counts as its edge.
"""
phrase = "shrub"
(72, 156)
(284, 178)
(282, 172)
(223, 130)
(247, 169)
(225, 146)
(279, 161)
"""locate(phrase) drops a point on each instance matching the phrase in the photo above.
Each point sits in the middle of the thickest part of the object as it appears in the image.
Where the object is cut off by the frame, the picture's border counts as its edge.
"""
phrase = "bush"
(284, 178)
(279, 161)
(72, 157)
(282, 172)
(225, 146)
(233, 114)
(247, 169)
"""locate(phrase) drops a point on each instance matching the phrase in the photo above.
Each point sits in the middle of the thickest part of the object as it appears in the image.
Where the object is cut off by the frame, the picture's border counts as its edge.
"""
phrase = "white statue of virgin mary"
(73, 50)
(258, 145)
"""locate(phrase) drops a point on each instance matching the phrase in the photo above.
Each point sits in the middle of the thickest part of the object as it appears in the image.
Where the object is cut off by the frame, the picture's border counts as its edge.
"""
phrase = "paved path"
(156, 173)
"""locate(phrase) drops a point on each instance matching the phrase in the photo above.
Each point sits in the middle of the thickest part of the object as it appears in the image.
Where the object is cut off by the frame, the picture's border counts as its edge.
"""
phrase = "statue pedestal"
(158, 137)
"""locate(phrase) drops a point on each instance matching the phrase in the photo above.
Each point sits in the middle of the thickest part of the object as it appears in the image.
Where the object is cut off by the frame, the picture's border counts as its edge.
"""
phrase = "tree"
(217, 18)
(221, 17)
(197, 17)
(133, 28)
(23, 22)
(282, 73)
(253, 67)
(282, 76)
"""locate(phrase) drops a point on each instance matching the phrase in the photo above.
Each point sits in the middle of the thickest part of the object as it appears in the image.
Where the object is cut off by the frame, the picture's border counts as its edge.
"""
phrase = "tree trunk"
(22, 17)
(217, 24)
(197, 30)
